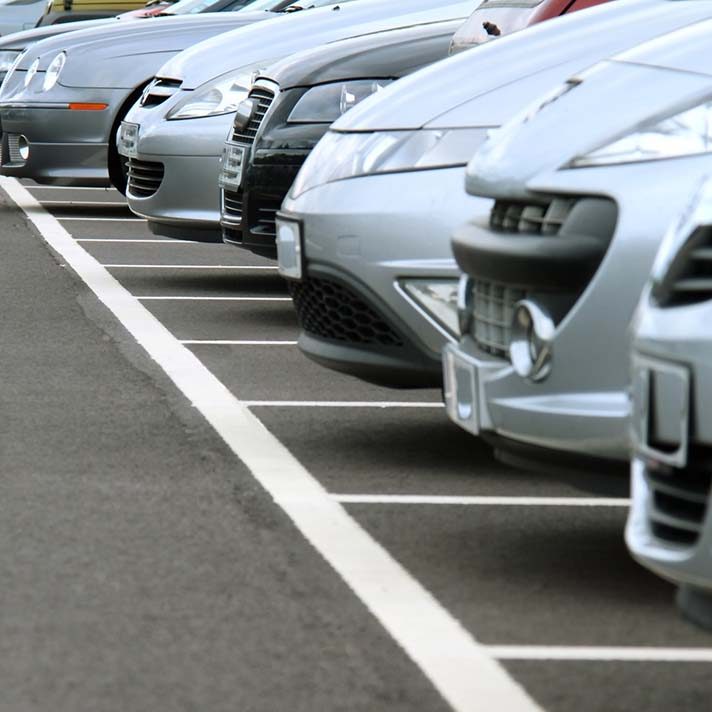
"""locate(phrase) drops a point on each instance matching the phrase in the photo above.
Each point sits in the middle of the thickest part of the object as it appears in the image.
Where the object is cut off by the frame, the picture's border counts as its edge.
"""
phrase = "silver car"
(168, 138)
(669, 526)
(584, 183)
(369, 218)
(63, 101)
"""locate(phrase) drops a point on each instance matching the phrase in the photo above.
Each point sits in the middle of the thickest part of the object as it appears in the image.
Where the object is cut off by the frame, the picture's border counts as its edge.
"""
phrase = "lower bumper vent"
(144, 177)
(331, 311)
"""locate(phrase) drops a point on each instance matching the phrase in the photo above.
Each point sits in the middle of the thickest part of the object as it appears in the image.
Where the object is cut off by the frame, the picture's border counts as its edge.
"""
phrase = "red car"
(494, 18)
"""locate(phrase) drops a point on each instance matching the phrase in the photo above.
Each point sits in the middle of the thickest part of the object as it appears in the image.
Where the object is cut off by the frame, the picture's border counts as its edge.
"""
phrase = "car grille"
(493, 308)
(232, 208)
(262, 218)
(689, 278)
(264, 98)
(331, 311)
(531, 218)
(678, 506)
(144, 177)
(159, 90)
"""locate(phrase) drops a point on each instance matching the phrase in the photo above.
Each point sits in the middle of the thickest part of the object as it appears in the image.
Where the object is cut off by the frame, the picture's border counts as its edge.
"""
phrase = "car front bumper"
(264, 187)
(669, 526)
(367, 235)
(186, 203)
(80, 158)
(582, 407)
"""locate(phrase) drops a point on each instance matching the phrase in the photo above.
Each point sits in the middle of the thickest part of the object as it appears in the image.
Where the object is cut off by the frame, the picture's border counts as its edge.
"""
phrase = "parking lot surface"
(145, 567)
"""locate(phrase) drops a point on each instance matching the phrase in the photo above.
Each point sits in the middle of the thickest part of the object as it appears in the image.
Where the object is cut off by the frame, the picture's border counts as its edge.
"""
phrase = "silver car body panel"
(459, 92)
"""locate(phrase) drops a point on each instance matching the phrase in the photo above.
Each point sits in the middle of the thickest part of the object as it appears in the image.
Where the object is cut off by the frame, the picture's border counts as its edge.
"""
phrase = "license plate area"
(661, 410)
(127, 142)
(232, 169)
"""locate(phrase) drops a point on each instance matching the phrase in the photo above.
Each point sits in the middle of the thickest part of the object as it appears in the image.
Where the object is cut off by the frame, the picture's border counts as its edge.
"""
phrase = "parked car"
(67, 95)
(669, 525)
(183, 135)
(285, 137)
(497, 18)
(193, 7)
(541, 370)
(373, 207)
(60, 11)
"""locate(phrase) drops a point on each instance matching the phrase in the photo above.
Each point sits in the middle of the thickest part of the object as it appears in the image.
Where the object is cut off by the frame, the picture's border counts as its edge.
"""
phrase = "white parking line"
(59, 217)
(592, 654)
(213, 299)
(482, 501)
(339, 404)
(82, 203)
(230, 342)
(459, 667)
(245, 267)
(67, 187)
(166, 240)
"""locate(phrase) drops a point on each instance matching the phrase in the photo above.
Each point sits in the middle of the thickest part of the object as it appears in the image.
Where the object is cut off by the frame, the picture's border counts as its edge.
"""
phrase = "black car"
(291, 106)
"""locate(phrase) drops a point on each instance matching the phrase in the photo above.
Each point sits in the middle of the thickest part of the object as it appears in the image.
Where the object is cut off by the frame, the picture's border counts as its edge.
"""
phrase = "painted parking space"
(519, 575)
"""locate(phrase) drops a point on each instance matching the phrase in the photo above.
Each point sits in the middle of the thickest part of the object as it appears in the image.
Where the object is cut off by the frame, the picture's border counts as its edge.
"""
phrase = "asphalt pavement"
(145, 568)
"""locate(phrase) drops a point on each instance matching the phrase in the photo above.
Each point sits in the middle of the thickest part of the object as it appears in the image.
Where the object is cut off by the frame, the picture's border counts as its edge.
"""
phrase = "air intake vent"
(689, 277)
(232, 209)
(331, 311)
(262, 217)
(144, 177)
(679, 503)
(531, 218)
(492, 316)
(264, 98)
(159, 90)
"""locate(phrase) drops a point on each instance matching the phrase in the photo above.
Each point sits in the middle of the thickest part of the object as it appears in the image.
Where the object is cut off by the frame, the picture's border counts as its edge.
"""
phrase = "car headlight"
(347, 155)
(438, 297)
(685, 134)
(326, 103)
(219, 96)
(13, 66)
(53, 71)
(32, 71)
(7, 59)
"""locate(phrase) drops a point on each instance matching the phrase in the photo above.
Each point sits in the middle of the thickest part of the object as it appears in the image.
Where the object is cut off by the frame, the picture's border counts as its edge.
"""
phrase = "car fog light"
(531, 342)
(23, 148)
(289, 248)
(438, 297)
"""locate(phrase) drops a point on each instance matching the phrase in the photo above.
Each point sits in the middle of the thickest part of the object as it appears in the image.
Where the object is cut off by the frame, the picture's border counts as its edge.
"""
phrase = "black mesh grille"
(159, 90)
(679, 502)
(144, 177)
(264, 99)
(232, 208)
(331, 311)
(689, 278)
(531, 218)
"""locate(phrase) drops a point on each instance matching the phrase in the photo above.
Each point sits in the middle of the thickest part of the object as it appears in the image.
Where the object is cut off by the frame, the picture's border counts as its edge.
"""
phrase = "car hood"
(392, 53)
(483, 86)
(292, 33)
(131, 37)
(569, 122)
(20, 40)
